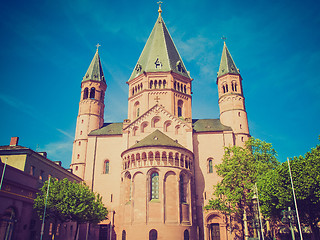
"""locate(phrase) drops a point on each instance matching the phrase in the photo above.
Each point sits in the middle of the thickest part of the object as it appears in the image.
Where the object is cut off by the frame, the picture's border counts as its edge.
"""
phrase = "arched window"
(186, 235)
(182, 190)
(124, 235)
(227, 90)
(210, 166)
(151, 84)
(136, 109)
(224, 89)
(157, 156)
(134, 131)
(180, 106)
(106, 167)
(185, 89)
(166, 126)
(155, 121)
(85, 93)
(155, 84)
(144, 156)
(164, 83)
(150, 156)
(143, 126)
(160, 83)
(92, 93)
(175, 85)
(153, 234)
(214, 229)
(154, 186)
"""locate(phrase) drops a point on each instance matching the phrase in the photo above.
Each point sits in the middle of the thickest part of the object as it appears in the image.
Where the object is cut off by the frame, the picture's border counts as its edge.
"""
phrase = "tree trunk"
(76, 234)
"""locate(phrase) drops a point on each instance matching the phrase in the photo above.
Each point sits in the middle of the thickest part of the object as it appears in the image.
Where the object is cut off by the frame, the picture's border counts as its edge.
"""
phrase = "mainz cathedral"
(155, 169)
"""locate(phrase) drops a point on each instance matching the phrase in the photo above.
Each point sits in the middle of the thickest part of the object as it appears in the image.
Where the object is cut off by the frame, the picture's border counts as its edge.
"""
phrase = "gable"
(157, 118)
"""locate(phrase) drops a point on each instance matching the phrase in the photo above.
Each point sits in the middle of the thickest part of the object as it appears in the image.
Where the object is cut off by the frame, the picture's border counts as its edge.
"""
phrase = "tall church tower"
(231, 99)
(91, 111)
(159, 77)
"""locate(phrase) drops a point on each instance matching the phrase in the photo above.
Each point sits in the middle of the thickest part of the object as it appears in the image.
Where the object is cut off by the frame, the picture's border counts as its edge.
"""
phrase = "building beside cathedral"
(155, 170)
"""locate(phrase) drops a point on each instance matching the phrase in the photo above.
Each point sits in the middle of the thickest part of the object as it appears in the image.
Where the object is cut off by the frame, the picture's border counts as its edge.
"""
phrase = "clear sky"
(48, 45)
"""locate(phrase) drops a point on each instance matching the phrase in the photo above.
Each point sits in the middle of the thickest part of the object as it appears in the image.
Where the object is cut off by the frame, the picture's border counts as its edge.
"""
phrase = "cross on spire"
(160, 11)
(224, 38)
(98, 45)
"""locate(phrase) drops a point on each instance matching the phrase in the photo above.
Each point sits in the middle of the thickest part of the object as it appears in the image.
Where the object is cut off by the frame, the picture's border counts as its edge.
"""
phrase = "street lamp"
(255, 220)
(289, 217)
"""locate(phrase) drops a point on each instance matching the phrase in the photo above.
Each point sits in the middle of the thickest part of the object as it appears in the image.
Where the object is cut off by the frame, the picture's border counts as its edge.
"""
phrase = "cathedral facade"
(155, 170)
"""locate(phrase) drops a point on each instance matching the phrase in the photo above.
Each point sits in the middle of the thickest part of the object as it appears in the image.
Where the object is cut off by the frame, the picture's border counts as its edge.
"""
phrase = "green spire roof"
(157, 138)
(159, 53)
(94, 71)
(227, 64)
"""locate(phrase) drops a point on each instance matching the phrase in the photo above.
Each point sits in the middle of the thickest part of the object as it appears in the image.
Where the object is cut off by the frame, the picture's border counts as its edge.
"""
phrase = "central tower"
(160, 77)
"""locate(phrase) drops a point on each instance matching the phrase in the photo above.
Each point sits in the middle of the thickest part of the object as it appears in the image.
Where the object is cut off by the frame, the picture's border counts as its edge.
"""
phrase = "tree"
(70, 201)
(239, 171)
(276, 192)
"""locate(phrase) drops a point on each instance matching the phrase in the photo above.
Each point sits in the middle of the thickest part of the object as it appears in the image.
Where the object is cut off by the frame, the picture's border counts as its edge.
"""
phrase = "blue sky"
(47, 47)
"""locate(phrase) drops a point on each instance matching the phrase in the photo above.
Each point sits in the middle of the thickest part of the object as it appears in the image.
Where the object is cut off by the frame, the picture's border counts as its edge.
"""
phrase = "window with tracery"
(154, 188)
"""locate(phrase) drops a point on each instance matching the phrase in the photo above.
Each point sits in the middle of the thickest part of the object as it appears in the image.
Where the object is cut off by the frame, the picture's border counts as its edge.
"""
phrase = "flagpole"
(45, 208)
(295, 201)
(4, 169)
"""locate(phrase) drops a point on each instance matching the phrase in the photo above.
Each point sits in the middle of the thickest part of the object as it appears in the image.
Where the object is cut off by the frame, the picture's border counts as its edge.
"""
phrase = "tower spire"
(227, 64)
(95, 71)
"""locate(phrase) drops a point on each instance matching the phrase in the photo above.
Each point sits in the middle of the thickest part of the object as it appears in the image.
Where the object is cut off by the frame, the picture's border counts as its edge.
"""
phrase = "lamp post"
(255, 220)
(289, 217)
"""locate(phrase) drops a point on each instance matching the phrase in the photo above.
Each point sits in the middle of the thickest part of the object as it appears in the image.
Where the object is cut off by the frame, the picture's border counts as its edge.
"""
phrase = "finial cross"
(160, 11)
(98, 45)
(224, 38)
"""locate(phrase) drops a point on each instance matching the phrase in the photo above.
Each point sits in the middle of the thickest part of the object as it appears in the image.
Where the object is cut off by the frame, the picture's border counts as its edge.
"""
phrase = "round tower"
(231, 99)
(91, 112)
(157, 182)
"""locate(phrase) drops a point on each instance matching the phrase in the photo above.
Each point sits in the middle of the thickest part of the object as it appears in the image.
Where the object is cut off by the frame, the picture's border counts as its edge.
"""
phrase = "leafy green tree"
(239, 171)
(70, 201)
(276, 192)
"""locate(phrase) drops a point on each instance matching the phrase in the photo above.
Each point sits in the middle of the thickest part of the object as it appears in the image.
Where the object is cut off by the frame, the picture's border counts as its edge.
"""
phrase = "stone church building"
(155, 170)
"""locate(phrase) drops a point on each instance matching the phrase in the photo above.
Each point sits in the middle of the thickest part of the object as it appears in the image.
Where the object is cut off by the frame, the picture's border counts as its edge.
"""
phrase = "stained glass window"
(154, 185)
